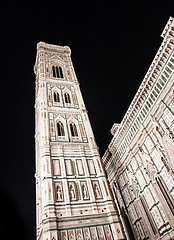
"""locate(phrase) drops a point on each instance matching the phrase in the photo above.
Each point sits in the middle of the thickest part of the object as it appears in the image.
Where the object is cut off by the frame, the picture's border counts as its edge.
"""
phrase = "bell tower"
(73, 199)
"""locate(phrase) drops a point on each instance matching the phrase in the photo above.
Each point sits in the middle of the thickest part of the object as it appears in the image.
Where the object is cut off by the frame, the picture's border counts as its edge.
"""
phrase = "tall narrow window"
(57, 71)
(60, 129)
(73, 129)
(54, 71)
(56, 97)
(67, 98)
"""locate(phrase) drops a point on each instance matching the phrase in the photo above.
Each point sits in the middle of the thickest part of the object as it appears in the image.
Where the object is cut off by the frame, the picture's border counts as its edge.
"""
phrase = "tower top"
(51, 47)
(59, 50)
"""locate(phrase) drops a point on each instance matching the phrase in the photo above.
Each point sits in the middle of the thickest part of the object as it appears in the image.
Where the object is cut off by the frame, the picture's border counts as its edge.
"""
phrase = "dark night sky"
(113, 43)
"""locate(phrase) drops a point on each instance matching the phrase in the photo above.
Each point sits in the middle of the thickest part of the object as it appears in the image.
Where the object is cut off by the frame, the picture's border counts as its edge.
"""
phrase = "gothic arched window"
(60, 129)
(73, 129)
(67, 97)
(56, 97)
(57, 71)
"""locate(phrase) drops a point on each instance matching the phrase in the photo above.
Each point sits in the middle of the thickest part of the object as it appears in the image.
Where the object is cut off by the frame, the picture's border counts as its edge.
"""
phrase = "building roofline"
(150, 77)
(168, 27)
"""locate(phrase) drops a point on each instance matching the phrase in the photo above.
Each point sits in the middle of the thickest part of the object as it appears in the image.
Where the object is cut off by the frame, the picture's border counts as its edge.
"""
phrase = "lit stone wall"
(139, 161)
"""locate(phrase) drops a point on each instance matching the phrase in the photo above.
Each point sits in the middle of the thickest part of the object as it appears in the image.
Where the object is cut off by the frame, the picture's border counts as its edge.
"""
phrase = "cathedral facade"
(73, 199)
(139, 161)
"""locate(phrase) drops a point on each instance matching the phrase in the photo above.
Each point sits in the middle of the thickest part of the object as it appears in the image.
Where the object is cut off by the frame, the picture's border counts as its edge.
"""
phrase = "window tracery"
(57, 71)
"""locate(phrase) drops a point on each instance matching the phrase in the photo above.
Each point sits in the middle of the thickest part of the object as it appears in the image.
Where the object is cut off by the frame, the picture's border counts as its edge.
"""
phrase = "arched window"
(57, 71)
(73, 129)
(67, 98)
(56, 97)
(60, 129)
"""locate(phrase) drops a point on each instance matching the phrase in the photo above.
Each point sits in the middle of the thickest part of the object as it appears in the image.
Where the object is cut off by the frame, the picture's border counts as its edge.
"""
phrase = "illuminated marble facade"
(73, 199)
(139, 160)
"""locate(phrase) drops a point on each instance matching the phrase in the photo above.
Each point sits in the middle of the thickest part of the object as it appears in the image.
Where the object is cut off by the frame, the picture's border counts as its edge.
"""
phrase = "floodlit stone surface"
(73, 200)
(139, 161)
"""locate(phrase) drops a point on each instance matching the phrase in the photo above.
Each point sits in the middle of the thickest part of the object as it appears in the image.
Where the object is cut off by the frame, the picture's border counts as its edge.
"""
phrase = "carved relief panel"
(101, 233)
(71, 235)
(79, 234)
(63, 235)
(86, 234)
(94, 234)
(108, 232)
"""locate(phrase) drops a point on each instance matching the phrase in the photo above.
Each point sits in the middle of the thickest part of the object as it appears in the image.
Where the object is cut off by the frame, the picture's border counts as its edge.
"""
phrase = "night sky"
(113, 44)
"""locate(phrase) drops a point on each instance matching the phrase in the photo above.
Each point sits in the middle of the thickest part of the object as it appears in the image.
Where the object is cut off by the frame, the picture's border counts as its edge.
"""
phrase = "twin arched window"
(61, 132)
(56, 97)
(57, 71)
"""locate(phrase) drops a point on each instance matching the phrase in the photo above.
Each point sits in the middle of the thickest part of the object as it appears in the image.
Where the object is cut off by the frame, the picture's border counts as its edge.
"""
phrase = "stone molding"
(56, 48)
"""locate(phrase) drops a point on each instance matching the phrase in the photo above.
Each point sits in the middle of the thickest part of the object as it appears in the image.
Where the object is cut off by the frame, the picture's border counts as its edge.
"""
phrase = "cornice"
(61, 82)
(51, 47)
(66, 110)
(168, 31)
